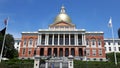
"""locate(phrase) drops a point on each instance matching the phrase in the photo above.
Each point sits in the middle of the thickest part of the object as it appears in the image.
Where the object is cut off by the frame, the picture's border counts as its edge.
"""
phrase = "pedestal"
(70, 62)
(37, 61)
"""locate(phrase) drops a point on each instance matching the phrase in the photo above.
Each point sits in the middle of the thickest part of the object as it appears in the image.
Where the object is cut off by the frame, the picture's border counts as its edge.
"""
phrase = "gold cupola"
(62, 16)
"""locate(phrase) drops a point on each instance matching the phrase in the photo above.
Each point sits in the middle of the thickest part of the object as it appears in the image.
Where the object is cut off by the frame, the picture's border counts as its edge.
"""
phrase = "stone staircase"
(55, 62)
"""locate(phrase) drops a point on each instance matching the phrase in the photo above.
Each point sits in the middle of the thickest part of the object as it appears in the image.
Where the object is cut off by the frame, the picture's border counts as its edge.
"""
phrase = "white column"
(82, 39)
(58, 39)
(39, 39)
(53, 39)
(75, 39)
(63, 39)
(47, 39)
(69, 40)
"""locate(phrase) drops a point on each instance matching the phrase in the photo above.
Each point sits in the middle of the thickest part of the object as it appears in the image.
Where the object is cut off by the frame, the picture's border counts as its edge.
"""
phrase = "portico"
(60, 51)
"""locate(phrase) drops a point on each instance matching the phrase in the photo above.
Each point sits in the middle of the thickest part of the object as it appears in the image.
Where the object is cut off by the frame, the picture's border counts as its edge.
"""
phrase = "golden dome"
(62, 16)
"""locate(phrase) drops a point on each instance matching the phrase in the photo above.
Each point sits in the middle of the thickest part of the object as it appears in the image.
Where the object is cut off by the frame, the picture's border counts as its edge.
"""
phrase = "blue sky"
(31, 15)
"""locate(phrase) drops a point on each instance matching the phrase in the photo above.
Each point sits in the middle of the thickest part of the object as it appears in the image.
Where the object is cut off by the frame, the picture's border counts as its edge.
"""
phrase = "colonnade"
(61, 39)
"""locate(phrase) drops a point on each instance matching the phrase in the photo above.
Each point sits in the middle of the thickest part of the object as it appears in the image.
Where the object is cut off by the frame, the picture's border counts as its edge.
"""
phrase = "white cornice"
(61, 30)
(111, 39)
(94, 32)
(29, 32)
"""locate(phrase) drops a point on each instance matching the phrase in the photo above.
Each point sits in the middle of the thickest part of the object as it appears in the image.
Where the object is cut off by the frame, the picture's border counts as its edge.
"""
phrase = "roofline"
(94, 32)
(111, 39)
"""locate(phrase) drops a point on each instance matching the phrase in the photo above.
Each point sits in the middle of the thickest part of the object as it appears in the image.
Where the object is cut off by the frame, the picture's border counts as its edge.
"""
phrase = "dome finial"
(62, 9)
(62, 16)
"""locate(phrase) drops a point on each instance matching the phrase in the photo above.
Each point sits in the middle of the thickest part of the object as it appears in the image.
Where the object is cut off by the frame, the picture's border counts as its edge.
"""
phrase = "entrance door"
(42, 52)
(72, 51)
(80, 52)
(55, 52)
(49, 52)
(61, 52)
(66, 52)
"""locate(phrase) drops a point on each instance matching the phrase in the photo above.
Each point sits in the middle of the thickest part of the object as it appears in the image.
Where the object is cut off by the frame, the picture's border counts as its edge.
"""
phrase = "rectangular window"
(94, 52)
(17, 43)
(35, 51)
(61, 39)
(50, 39)
(72, 39)
(56, 39)
(79, 39)
(118, 43)
(29, 51)
(109, 48)
(119, 48)
(88, 52)
(100, 52)
(109, 43)
(66, 39)
(43, 39)
(23, 51)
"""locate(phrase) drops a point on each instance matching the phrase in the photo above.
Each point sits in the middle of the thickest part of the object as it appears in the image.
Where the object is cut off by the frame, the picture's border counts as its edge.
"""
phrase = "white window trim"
(29, 43)
(25, 41)
(100, 52)
(93, 41)
(93, 52)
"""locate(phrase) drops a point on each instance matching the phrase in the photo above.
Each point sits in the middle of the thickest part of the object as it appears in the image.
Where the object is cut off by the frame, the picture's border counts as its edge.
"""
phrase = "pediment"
(62, 24)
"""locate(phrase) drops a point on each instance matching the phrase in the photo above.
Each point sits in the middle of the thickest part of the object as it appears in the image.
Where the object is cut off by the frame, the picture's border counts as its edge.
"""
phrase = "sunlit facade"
(62, 39)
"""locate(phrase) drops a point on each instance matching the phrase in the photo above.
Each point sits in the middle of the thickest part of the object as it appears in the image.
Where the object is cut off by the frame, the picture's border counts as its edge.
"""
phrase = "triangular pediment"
(62, 24)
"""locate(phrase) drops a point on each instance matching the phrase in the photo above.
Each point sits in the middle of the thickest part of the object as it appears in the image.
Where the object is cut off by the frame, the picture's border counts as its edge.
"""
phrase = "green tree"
(111, 58)
(9, 50)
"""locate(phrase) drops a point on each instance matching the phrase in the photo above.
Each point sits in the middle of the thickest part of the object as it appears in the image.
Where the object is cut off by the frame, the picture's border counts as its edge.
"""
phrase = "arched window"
(93, 43)
(99, 42)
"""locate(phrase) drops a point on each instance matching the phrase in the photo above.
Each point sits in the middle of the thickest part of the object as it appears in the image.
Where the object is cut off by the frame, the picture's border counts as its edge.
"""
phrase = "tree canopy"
(9, 50)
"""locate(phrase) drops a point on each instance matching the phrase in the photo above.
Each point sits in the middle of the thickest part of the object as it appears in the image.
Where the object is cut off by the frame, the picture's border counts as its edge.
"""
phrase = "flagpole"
(3, 44)
(113, 43)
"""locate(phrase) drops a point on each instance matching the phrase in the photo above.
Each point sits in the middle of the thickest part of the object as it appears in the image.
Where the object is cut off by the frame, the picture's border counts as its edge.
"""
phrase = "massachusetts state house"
(62, 39)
